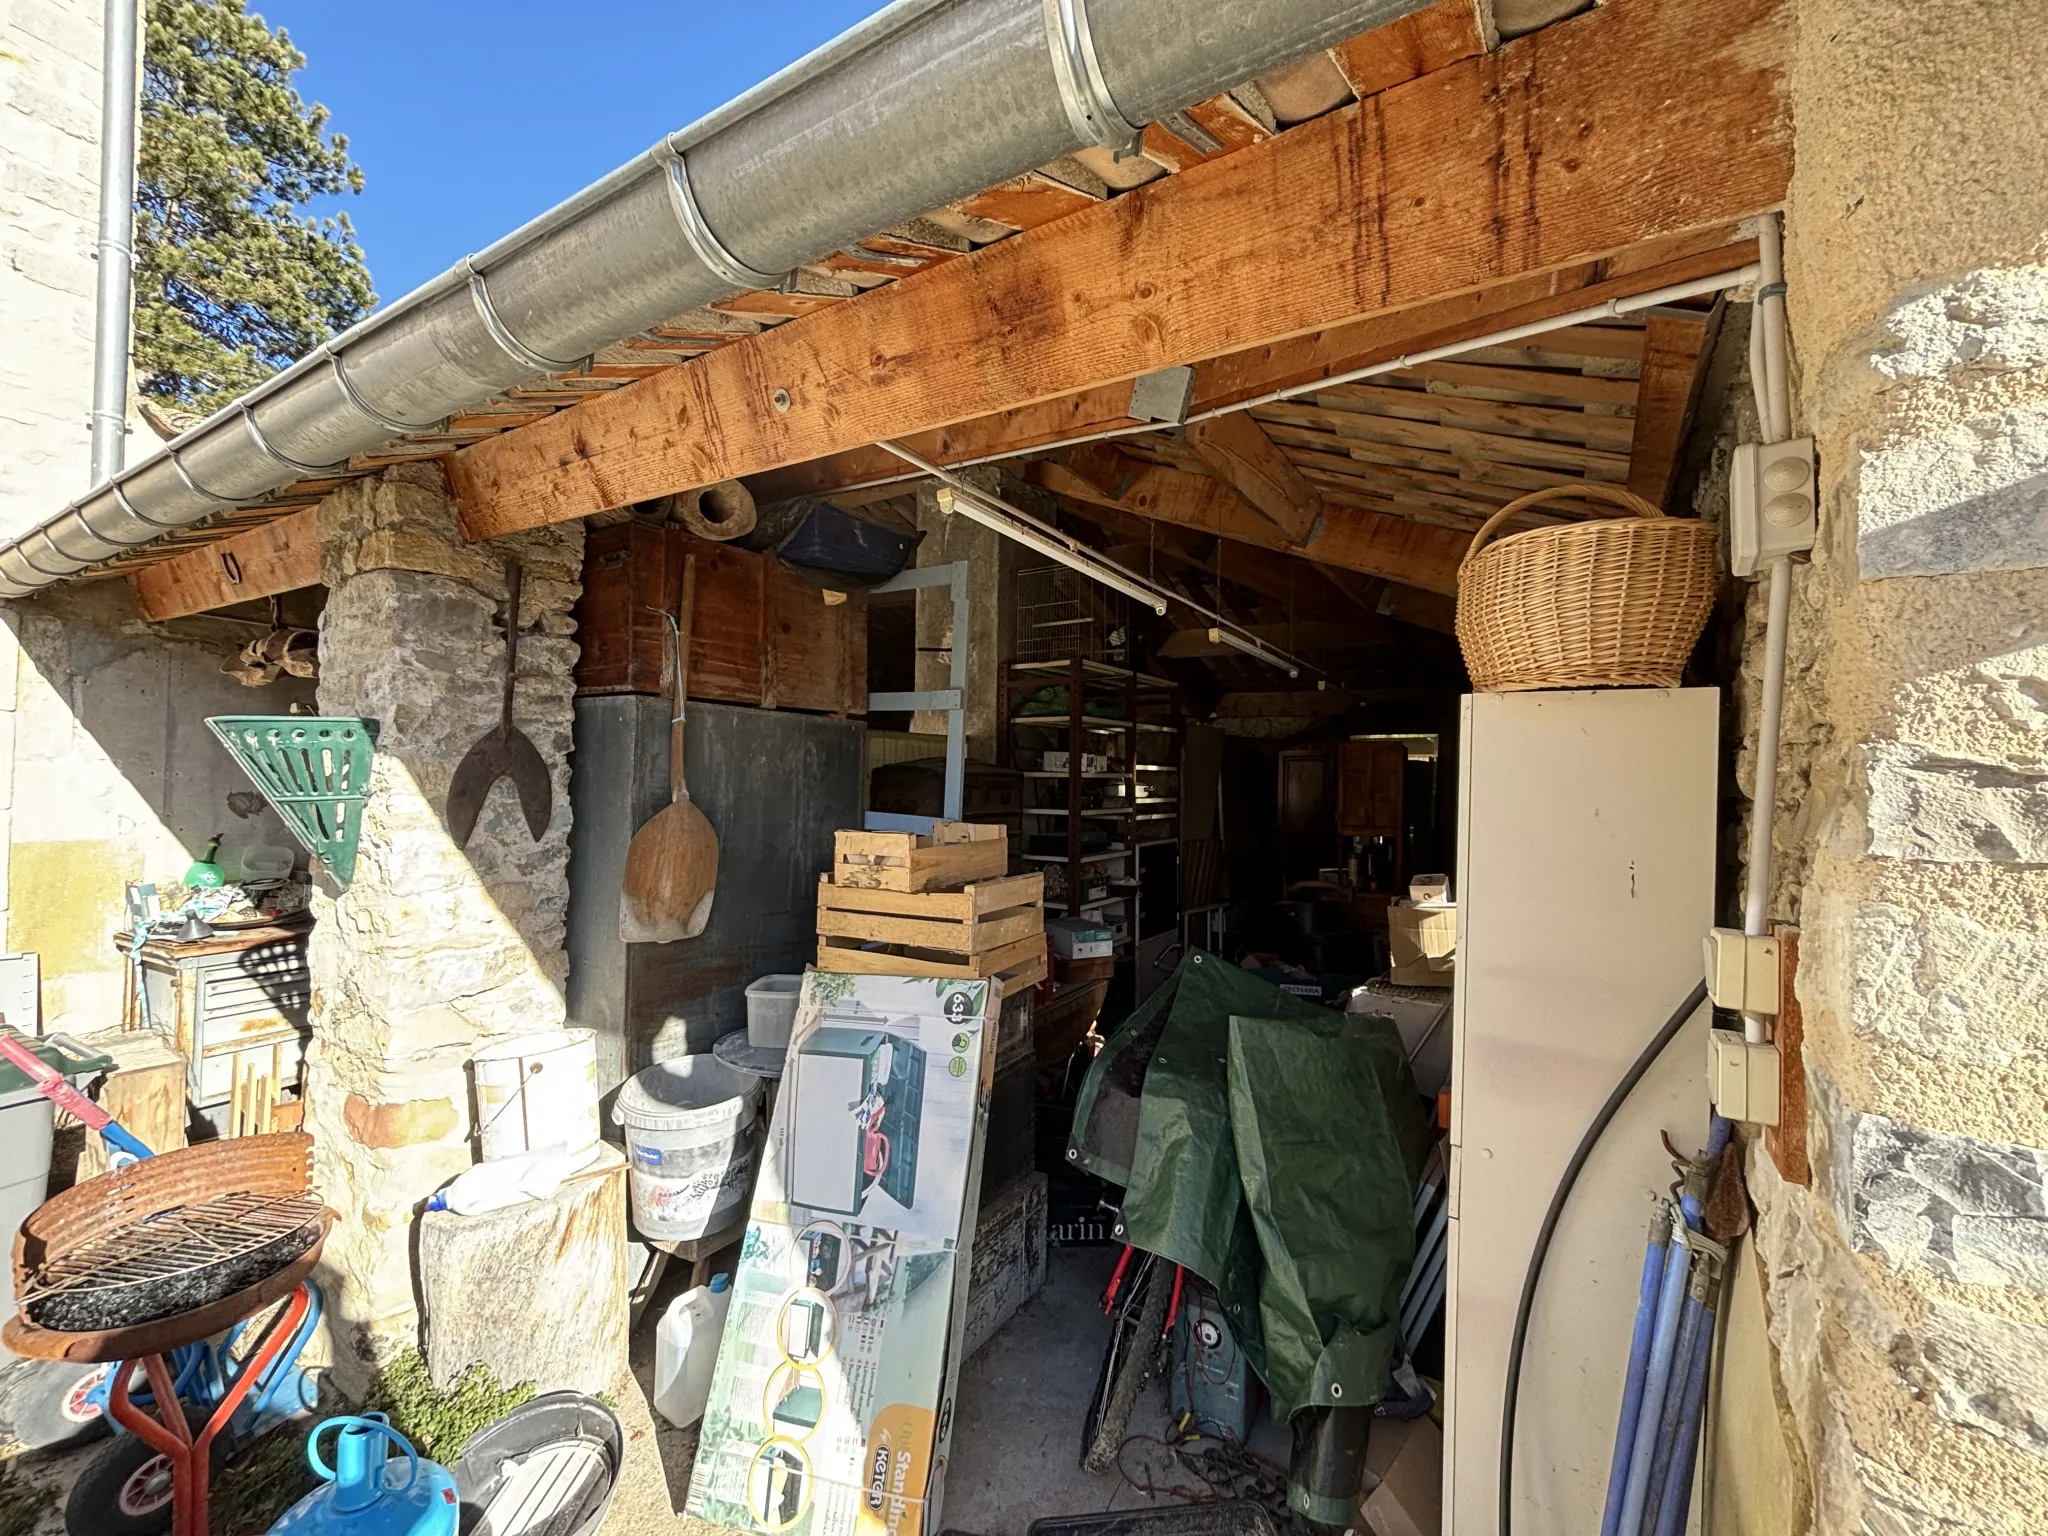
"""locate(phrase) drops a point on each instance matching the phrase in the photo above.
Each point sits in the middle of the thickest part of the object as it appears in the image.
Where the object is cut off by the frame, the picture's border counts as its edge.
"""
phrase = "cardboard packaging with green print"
(832, 1403)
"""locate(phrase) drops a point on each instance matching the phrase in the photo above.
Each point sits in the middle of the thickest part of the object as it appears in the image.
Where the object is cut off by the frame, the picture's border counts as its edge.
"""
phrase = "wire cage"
(1062, 614)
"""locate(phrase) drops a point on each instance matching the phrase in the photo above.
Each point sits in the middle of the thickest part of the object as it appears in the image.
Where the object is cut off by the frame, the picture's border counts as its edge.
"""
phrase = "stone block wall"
(49, 211)
(1907, 1289)
(434, 950)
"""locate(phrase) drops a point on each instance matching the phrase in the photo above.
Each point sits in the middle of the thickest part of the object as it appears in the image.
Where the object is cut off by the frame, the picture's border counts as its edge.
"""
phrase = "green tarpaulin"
(1272, 1147)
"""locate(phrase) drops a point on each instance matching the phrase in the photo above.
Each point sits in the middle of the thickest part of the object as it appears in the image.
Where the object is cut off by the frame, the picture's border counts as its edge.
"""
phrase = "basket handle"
(1597, 490)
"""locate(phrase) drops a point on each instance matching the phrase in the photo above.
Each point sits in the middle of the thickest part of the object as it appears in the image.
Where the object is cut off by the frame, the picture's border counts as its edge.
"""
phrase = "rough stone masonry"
(434, 950)
(1908, 1287)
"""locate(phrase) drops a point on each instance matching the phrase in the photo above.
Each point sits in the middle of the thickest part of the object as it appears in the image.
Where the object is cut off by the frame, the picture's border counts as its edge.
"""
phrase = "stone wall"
(1907, 1290)
(107, 772)
(434, 950)
(49, 211)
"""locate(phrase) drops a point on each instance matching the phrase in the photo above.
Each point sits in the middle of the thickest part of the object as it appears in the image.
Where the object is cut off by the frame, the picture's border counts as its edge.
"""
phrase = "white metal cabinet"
(1586, 856)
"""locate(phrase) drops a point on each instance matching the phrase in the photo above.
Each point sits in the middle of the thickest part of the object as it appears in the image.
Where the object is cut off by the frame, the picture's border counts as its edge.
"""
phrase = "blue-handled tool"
(123, 1148)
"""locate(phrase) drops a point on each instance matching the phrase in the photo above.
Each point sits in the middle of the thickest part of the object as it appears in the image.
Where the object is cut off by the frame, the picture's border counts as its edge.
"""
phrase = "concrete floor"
(1017, 1442)
(1017, 1436)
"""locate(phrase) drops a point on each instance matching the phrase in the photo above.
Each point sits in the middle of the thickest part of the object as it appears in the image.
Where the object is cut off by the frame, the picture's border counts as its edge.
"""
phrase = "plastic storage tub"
(690, 1135)
(771, 1011)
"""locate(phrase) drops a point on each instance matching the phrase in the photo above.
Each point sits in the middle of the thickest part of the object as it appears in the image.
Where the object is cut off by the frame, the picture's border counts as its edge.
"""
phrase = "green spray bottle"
(205, 875)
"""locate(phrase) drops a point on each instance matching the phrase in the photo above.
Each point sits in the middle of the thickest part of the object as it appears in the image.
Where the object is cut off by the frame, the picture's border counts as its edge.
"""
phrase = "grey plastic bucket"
(692, 1140)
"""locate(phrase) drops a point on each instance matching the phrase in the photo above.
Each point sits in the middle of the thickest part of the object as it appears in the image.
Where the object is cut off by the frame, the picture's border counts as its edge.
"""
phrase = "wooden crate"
(970, 921)
(1020, 963)
(955, 853)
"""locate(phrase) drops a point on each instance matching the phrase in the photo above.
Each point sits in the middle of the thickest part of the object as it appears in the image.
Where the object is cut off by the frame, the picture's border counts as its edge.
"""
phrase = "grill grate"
(173, 1260)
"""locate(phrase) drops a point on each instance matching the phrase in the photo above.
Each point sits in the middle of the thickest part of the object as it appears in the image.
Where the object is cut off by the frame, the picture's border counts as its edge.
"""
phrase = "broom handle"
(677, 789)
(51, 1085)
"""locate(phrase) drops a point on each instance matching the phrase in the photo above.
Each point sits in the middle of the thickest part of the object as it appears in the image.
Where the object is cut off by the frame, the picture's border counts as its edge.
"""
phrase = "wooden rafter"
(1394, 547)
(1674, 348)
(1638, 120)
(1238, 452)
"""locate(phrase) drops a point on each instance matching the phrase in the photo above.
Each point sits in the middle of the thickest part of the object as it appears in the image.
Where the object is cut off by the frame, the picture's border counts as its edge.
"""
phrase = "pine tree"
(233, 280)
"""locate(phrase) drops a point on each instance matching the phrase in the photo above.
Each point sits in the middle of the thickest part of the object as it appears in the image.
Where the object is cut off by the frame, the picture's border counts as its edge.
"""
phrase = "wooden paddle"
(672, 864)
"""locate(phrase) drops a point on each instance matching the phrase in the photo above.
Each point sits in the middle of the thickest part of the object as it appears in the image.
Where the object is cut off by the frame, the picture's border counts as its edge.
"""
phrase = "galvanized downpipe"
(113, 307)
(926, 102)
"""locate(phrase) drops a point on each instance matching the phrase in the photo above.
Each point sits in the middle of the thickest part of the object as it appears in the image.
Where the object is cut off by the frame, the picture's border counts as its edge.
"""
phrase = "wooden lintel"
(279, 556)
(1639, 120)
(1674, 350)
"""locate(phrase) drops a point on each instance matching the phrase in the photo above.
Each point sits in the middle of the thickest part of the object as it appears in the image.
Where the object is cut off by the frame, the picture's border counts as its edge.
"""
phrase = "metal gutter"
(114, 302)
(926, 102)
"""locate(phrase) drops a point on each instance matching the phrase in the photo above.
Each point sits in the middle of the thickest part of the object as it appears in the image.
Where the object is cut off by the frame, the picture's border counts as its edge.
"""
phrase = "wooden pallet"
(1020, 963)
(983, 916)
(955, 853)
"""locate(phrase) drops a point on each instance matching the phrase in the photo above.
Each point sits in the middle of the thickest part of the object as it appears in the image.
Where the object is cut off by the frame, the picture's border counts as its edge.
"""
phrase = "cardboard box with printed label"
(831, 1403)
(1078, 939)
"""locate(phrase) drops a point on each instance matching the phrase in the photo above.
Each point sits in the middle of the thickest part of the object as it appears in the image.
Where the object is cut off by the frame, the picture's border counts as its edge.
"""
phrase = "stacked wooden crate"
(912, 904)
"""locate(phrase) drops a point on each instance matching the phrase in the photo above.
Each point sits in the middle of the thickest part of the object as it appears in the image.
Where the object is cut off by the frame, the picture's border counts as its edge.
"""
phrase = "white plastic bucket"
(771, 1010)
(537, 1093)
(690, 1137)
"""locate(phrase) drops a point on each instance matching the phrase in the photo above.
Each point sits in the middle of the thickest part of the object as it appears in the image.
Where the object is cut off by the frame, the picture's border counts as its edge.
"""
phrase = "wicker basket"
(1606, 603)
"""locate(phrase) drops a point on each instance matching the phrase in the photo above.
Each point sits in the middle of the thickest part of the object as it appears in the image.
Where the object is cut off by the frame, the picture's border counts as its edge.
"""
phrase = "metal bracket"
(510, 345)
(705, 245)
(1084, 92)
(265, 447)
(953, 700)
(388, 423)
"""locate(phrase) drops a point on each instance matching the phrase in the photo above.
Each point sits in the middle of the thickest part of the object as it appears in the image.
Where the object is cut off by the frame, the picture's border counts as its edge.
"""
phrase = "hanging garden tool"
(504, 751)
(672, 862)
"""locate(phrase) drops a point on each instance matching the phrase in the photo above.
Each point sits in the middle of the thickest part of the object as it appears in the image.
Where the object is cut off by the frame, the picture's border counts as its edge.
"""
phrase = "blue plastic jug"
(364, 1495)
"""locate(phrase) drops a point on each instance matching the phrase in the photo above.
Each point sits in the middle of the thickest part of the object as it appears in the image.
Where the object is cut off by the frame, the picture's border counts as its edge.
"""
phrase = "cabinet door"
(1369, 777)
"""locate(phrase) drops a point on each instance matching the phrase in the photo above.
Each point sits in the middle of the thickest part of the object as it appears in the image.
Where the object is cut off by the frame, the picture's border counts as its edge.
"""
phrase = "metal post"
(116, 248)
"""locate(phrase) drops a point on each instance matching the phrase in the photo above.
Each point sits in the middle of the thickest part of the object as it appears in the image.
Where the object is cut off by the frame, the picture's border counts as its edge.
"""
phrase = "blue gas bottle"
(367, 1494)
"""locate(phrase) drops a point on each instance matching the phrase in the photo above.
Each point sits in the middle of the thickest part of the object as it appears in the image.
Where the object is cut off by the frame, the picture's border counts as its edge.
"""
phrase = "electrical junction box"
(1742, 970)
(1742, 1078)
(1773, 503)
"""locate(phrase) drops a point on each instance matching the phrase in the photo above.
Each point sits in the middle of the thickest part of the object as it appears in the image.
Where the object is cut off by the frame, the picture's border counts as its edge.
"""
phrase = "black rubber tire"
(39, 1407)
(1133, 1365)
(94, 1508)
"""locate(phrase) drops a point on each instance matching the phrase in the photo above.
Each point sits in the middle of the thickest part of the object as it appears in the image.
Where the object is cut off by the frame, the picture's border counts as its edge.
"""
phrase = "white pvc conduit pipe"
(1772, 383)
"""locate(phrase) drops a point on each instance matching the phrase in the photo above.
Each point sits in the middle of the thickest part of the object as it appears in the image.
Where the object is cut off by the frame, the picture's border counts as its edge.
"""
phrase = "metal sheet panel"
(776, 785)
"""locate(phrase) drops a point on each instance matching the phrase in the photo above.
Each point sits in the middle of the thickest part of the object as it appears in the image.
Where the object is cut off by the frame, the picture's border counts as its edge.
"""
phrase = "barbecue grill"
(167, 1252)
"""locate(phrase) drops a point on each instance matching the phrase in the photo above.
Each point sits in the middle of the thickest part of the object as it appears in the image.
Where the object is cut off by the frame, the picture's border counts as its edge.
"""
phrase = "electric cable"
(1566, 1181)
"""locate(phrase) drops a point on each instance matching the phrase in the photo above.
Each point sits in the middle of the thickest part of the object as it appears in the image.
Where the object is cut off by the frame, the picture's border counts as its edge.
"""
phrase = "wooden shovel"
(672, 864)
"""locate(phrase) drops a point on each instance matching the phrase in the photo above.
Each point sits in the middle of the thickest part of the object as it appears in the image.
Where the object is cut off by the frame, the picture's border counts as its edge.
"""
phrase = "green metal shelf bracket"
(315, 772)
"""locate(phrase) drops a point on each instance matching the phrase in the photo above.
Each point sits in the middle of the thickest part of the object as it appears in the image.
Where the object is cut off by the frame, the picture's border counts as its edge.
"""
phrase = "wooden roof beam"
(272, 558)
(1639, 120)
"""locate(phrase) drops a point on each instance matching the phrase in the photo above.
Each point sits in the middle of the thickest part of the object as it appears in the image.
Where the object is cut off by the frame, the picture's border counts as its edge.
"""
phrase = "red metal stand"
(173, 1438)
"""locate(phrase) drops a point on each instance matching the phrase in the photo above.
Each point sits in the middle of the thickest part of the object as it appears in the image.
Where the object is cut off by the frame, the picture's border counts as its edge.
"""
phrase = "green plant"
(439, 1422)
(22, 1503)
(261, 1482)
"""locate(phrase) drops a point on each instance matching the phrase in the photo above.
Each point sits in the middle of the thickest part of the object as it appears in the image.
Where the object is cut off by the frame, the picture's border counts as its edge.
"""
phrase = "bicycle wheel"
(1124, 1370)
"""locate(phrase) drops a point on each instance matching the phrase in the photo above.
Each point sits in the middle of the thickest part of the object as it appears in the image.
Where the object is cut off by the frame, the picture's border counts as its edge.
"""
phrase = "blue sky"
(468, 119)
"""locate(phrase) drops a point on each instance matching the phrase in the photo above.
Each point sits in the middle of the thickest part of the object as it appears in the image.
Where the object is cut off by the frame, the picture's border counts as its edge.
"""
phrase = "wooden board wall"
(760, 635)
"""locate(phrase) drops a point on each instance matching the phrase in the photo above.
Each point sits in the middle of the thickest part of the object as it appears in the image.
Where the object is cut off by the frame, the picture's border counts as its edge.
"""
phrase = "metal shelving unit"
(1150, 789)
